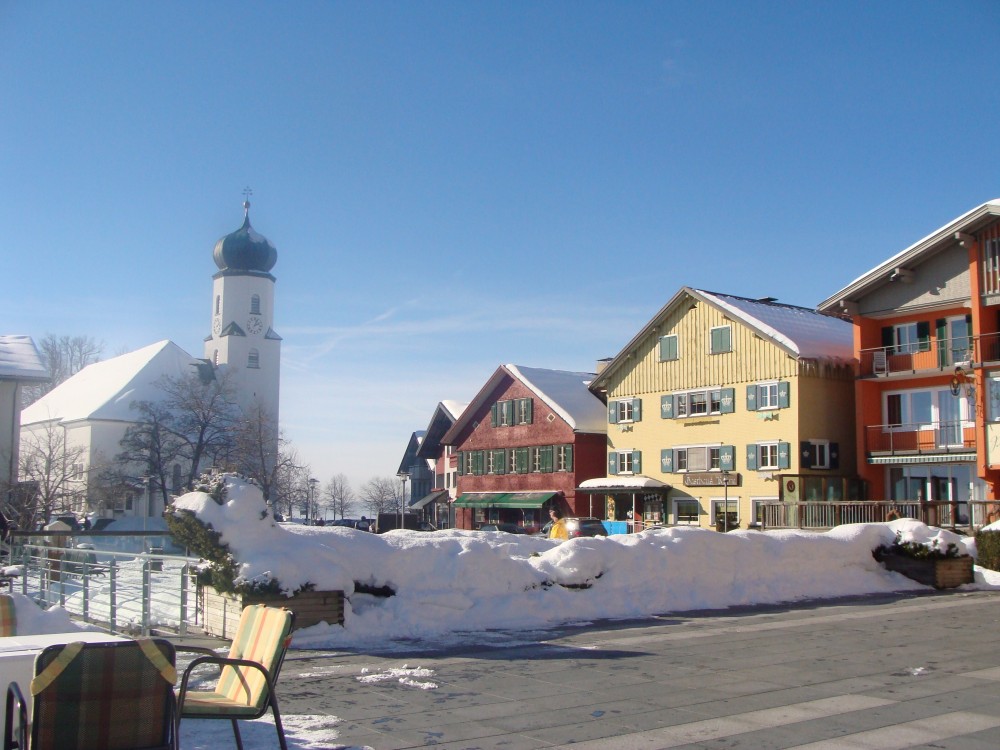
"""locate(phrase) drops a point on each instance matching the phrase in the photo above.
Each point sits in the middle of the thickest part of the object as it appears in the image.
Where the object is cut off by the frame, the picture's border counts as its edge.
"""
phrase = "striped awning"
(928, 458)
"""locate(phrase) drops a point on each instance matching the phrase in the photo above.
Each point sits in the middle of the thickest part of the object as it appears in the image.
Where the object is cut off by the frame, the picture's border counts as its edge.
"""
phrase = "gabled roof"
(919, 251)
(566, 393)
(800, 331)
(105, 390)
(410, 454)
(20, 360)
(445, 415)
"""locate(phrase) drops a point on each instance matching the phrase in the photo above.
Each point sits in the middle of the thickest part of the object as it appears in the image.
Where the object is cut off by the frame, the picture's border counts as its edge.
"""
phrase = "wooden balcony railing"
(963, 516)
(908, 439)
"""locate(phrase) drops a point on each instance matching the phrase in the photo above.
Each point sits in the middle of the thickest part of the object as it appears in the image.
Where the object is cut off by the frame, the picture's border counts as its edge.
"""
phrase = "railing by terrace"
(932, 355)
(965, 517)
(917, 439)
(117, 590)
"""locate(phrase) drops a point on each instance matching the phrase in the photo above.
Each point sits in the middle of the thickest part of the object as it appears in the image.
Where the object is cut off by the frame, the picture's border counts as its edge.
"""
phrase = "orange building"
(926, 325)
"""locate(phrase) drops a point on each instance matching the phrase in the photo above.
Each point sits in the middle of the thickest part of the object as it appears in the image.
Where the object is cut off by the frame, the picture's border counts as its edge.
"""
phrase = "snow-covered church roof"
(20, 360)
(105, 390)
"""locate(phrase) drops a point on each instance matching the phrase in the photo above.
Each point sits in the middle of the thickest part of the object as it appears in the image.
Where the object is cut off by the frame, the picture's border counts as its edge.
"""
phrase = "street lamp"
(312, 497)
(403, 476)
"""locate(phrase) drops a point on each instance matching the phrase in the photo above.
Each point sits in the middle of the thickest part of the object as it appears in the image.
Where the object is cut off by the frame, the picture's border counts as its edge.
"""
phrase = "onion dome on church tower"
(245, 249)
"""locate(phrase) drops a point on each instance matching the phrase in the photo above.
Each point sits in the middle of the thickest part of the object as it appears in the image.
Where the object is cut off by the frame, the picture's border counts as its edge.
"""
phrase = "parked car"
(352, 523)
(389, 521)
(578, 527)
(510, 528)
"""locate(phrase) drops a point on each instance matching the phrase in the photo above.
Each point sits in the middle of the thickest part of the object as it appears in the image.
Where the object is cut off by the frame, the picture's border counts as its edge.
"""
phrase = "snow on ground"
(452, 583)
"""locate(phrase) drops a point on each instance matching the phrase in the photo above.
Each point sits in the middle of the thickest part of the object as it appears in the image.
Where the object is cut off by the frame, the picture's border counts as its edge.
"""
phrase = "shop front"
(525, 510)
(636, 502)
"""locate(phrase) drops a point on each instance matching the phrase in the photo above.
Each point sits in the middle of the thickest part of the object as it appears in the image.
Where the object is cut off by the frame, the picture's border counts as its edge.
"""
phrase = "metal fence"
(958, 516)
(119, 590)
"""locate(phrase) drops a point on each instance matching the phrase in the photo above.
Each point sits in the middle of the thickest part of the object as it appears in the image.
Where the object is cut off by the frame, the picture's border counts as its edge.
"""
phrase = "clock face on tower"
(217, 324)
(255, 324)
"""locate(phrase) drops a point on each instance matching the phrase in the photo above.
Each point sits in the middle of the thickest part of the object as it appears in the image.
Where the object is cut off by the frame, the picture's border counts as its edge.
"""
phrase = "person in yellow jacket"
(558, 528)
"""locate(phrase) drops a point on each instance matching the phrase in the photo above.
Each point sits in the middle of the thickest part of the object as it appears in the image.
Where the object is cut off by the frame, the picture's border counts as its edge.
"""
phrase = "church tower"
(243, 342)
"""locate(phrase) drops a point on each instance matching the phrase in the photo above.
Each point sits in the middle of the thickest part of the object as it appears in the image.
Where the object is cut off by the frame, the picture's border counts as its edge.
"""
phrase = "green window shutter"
(924, 335)
(667, 460)
(727, 457)
(612, 412)
(500, 461)
(667, 406)
(751, 398)
(461, 463)
(521, 460)
(668, 348)
(546, 458)
(612, 463)
(636, 462)
(637, 410)
(530, 410)
(784, 455)
(834, 455)
(941, 334)
(493, 415)
(784, 394)
(727, 402)
(569, 458)
(508, 410)
(752, 457)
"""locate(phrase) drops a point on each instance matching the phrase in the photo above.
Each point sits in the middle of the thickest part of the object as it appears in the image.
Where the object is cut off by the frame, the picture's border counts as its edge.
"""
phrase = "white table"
(18, 652)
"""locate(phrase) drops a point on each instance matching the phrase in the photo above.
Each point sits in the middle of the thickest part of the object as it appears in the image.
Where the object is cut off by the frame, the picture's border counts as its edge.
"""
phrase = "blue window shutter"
(667, 406)
(752, 456)
(612, 412)
(727, 457)
(727, 401)
(636, 462)
(834, 455)
(493, 415)
(806, 455)
(569, 458)
(667, 460)
(637, 410)
(612, 463)
(751, 398)
(784, 455)
(784, 394)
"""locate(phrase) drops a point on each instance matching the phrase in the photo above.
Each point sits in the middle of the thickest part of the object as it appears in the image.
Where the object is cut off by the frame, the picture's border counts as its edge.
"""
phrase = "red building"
(527, 440)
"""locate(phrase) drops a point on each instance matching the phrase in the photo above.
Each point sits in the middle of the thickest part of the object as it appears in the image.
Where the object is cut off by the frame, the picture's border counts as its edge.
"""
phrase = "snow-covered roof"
(939, 238)
(800, 330)
(20, 360)
(454, 408)
(567, 394)
(105, 390)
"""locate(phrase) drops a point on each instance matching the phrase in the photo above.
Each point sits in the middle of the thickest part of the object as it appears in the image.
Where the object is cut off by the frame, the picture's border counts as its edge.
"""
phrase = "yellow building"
(723, 406)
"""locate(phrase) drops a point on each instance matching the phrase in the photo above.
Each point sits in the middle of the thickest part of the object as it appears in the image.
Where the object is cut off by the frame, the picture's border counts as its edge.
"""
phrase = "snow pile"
(455, 581)
(32, 619)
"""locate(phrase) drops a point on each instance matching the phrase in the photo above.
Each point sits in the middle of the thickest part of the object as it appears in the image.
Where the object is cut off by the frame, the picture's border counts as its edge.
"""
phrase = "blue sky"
(452, 186)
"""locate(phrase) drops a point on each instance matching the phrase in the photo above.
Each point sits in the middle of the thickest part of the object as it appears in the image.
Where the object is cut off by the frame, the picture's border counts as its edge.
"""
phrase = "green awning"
(503, 499)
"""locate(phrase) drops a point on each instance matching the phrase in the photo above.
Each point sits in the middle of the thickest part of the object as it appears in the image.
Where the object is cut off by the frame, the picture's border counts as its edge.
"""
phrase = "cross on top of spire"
(247, 192)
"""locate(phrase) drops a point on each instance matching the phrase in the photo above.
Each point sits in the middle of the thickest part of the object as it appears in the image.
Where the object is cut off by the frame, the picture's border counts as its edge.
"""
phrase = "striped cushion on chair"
(263, 636)
(8, 615)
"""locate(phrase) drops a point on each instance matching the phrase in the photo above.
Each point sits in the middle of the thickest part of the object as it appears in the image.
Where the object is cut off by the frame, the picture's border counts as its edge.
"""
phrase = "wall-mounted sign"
(712, 479)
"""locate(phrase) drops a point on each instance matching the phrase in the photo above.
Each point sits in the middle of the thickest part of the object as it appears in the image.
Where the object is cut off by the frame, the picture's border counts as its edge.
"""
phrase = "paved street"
(878, 672)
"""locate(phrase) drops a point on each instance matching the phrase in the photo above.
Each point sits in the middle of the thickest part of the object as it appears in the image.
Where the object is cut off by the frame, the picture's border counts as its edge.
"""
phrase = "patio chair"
(113, 696)
(245, 688)
(8, 615)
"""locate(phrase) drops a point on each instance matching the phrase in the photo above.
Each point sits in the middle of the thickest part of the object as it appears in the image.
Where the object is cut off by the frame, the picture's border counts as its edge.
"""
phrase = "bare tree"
(64, 357)
(381, 495)
(55, 467)
(338, 496)
(150, 450)
(259, 448)
(291, 483)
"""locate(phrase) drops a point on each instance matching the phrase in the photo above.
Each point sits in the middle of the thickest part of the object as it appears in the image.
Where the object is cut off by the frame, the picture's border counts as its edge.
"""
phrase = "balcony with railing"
(920, 439)
(932, 355)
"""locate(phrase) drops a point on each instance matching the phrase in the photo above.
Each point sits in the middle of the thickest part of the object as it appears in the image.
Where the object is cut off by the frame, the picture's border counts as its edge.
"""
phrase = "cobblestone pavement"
(907, 671)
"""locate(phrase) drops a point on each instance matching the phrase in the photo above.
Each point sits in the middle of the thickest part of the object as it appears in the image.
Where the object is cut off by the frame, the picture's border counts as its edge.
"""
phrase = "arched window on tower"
(253, 359)
(218, 304)
(215, 358)
(255, 304)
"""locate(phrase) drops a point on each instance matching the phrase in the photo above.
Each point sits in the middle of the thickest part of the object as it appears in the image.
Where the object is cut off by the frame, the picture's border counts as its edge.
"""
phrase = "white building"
(92, 410)
(20, 363)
